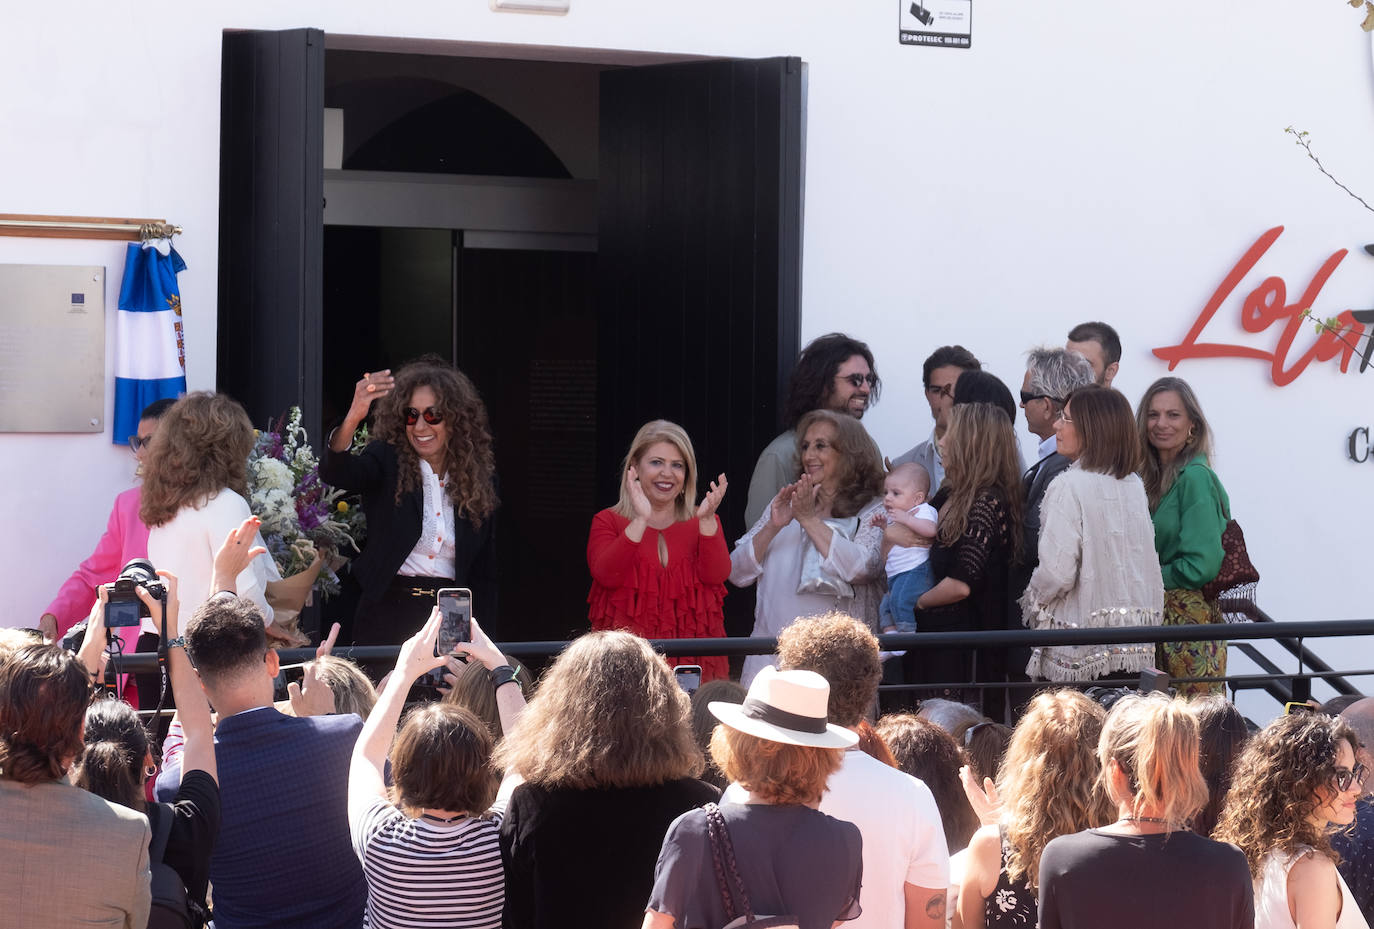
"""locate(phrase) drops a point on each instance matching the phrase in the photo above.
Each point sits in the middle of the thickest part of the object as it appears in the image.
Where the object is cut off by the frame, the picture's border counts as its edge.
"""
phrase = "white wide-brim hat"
(788, 707)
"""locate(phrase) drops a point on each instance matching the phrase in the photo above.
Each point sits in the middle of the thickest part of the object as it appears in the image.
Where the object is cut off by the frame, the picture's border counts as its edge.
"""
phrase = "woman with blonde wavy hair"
(606, 751)
(979, 506)
(1050, 786)
(428, 481)
(1294, 781)
(195, 480)
(1147, 869)
(658, 558)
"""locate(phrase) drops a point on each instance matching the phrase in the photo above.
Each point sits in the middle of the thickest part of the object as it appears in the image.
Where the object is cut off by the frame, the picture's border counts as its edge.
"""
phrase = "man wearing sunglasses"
(1356, 846)
(939, 373)
(125, 539)
(833, 372)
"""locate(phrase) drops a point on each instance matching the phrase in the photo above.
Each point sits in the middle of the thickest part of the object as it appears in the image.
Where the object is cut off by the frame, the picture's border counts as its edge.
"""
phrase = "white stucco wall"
(1080, 161)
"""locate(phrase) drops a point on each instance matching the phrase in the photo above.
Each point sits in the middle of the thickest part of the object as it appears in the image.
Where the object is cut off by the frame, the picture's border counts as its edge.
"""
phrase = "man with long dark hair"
(834, 372)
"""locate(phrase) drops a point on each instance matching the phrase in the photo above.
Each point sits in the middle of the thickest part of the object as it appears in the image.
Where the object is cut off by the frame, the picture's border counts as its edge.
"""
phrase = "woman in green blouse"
(1190, 508)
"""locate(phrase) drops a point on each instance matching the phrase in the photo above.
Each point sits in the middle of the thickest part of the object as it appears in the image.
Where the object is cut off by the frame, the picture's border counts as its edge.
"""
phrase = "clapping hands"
(709, 503)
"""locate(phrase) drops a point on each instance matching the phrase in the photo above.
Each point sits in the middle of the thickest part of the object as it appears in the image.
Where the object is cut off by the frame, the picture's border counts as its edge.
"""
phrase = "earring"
(150, 771)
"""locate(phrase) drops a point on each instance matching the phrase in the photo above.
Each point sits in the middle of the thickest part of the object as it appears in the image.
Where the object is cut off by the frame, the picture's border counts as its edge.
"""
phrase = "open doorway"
(596, 241)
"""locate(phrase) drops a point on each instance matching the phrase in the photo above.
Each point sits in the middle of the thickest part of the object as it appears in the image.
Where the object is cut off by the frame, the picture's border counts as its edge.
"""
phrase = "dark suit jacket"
(394, 528)
(1034, 482)
(285, 858)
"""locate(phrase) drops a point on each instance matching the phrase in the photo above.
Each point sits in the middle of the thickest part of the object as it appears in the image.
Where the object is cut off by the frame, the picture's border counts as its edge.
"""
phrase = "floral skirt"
(1192, 659)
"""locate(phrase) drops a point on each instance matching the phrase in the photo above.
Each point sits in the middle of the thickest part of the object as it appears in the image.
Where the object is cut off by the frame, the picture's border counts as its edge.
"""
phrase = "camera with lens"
(124, 608)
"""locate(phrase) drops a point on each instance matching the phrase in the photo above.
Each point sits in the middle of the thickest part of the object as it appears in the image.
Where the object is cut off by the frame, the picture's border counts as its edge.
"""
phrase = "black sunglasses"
(138, 442)
(858, 380)
(433, 415)
(1027, 397)
(1346, 776)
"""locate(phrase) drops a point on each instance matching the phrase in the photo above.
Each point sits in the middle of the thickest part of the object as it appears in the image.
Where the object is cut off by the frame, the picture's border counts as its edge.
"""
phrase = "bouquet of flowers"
(307, 525)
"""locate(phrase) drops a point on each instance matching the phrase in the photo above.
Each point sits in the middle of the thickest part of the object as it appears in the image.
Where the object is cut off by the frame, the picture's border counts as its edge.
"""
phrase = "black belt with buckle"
(421, 586)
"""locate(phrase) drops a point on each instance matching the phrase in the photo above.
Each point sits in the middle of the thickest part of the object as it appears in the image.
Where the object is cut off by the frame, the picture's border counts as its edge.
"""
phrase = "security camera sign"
(942, 23)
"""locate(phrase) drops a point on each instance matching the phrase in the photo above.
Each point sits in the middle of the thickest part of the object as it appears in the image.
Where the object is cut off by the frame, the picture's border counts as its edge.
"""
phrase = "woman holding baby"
(817, 548)
(979, 506)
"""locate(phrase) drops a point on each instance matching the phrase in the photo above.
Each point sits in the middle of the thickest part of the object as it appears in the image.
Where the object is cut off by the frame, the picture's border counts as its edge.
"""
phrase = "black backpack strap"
(162, 830)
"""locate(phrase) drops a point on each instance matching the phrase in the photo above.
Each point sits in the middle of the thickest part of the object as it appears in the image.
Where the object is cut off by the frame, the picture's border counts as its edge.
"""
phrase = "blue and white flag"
(150, 349)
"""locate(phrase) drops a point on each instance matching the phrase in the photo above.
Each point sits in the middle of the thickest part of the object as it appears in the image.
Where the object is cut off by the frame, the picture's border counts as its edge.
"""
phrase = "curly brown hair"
(200, 448)
(1273, 791)
(843, 651)
(468, 455)
(608, 713)
(979, 456)
(860, 477)
(1049, 778)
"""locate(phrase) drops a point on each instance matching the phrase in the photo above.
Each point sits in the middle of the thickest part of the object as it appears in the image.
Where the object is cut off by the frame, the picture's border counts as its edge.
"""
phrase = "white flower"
(271, 474)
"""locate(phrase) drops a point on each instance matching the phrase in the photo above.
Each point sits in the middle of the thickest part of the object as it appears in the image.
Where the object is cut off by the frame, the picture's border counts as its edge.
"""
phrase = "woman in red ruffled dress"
(658, 559)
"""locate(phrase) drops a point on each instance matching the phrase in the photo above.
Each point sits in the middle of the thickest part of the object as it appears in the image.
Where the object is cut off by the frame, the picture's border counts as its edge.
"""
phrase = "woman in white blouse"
(816, 548)
(195, 480)
(1098, 566)
(428, 481)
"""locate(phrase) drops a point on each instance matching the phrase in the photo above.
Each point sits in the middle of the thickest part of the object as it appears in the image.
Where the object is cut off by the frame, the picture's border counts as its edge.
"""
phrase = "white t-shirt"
(904, 558)
(187, 544)
(904, 838)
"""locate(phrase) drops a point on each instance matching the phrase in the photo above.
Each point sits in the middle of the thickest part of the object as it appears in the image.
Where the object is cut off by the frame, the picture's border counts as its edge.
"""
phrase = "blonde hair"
(607, 713)
(200, 447)
(1155, 742)
(651, 433)
(1049, 778)
(979, 456)
(778, 772)
(353, 692)
(1156, 476)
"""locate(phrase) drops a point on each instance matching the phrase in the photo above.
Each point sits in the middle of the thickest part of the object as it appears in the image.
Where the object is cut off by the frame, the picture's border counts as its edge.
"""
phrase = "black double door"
(688, 310)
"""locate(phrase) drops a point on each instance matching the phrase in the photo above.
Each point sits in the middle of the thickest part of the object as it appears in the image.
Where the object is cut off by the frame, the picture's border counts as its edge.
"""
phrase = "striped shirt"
(424, 874)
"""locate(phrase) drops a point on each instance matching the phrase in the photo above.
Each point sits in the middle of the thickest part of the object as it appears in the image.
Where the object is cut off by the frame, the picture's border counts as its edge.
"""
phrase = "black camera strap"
(152, 722)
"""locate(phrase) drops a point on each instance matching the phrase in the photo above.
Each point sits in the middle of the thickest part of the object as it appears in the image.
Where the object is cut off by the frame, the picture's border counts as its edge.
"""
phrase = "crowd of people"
(613, 798)
(599, 803)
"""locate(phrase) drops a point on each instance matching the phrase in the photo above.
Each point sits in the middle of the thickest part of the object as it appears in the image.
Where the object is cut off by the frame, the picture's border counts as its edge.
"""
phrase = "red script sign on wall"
(1268, 304)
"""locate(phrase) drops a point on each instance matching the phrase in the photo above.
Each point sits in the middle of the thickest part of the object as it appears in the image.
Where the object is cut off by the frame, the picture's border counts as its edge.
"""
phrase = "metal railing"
(1290, 634)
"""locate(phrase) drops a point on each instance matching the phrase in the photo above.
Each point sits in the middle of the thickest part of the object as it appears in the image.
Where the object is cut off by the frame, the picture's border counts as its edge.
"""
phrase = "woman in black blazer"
(428, 480)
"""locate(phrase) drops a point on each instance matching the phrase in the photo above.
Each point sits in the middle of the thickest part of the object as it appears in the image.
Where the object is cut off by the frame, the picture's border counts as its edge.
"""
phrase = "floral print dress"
(1010, 903)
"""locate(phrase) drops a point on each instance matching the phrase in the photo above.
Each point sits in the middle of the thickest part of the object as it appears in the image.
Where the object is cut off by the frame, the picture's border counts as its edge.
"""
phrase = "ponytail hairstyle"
(1155, 741)
(116, 745)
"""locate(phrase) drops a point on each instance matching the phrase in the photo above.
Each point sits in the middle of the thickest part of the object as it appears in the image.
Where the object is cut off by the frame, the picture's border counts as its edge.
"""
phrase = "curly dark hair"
(843, 651)
(860, 478)
(1273, 791)
(469, 455)
(200, 448)
(814, 375)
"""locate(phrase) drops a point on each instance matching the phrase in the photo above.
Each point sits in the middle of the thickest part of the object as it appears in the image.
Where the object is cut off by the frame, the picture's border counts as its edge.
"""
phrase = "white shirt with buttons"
(434, 553)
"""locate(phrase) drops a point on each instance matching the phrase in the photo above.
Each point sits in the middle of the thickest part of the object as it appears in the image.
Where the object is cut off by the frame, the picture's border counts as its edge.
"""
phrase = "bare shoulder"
(1314, 896)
